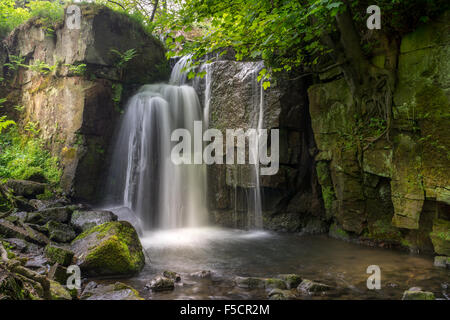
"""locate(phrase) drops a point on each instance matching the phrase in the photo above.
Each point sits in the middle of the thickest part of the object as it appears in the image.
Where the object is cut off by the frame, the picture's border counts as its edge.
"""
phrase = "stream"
(228, 253)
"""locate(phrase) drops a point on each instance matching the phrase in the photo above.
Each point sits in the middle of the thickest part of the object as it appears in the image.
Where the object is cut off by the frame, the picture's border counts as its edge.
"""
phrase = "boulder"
(416, 293)
(116, 291)
(292, 280)
(112, 248)
(58, 292)
(60, 232)
(272, 283)
(56, 254)
(172, 275)
(161, 283)
(84, 220)
(279, 294)
(60, 214)
(28, 189)
(250, 283)
(312, 288)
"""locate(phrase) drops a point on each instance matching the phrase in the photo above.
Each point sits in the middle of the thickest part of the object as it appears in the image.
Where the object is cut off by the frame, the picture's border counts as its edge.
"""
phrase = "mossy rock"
(60, 232)
(58, 292)
(273, 283)
(112, 248)
(58, 255)
(292, 280)
(417, 294)
(440, 237)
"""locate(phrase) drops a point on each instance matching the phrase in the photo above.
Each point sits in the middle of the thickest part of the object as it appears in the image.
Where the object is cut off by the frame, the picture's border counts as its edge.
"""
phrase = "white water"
(142, 177)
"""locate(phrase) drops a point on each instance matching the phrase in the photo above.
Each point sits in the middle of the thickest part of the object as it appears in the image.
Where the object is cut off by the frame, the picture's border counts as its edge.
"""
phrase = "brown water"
(229, 253)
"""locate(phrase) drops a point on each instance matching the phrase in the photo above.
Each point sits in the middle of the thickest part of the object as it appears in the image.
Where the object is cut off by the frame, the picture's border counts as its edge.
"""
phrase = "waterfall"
(258, 102)
(142, 176)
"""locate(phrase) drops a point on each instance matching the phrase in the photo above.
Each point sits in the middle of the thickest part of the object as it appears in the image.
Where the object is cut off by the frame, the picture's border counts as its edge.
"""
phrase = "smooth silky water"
(229, 253)
(147, 189)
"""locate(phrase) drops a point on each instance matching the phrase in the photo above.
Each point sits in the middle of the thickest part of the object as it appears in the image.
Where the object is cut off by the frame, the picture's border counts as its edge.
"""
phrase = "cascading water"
(142, 177)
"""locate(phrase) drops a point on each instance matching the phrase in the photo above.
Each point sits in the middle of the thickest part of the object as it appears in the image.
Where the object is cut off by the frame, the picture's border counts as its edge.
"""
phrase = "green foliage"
(23, 156)
(78, 70)
(5, 123)
(13, 13)
(123, 58)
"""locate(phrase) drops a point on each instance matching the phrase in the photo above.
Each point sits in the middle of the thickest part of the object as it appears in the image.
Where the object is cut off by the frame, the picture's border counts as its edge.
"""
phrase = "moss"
(118, 250)
(59, 255)
(272, 283)
(328, 197)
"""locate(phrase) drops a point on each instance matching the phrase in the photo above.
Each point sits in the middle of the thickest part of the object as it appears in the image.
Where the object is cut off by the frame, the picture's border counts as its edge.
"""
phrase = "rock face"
(392, 190)
(291, 197)
(112, 248)
(76, 111)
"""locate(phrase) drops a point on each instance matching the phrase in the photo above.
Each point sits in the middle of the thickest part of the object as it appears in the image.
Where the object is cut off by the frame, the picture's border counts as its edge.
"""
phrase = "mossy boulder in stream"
(440, 236)
(112, 248)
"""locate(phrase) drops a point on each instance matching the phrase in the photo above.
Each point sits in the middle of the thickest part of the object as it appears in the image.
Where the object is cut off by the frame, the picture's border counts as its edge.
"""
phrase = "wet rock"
(416, 293)
(17, 244)
(60, 232)
(58, 292)
(28, 189)
(56, 254)
(202, 274)
(442, 262)
(311, 287)
(272, 283)
(249, 283)
(278, 294)
(58, 273)
(172, 275)
(37, 261)
(41, 229)
(161, 283)
(19, 215)
(22, 231)
(116, 291)
(112, 248)
(59, 214)
(440, 237)
(45, 204)
(292, 280)
(84, 220)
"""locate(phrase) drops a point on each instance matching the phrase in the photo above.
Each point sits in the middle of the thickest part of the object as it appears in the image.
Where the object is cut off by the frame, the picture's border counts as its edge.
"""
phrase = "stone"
(60, 232)
(116, 291)
(416, 293)
(58, 292)
(279, 294)
(311, 287)
(60, 214)
(172, 275)
(28, 189)
(201, 274)
(273, 283)
(292, 280)
(249, 282)
(84, 220)
(442, 261)
(440, 237)
(161, 283)
(112, 248)
(22, 231)
(57, 254)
